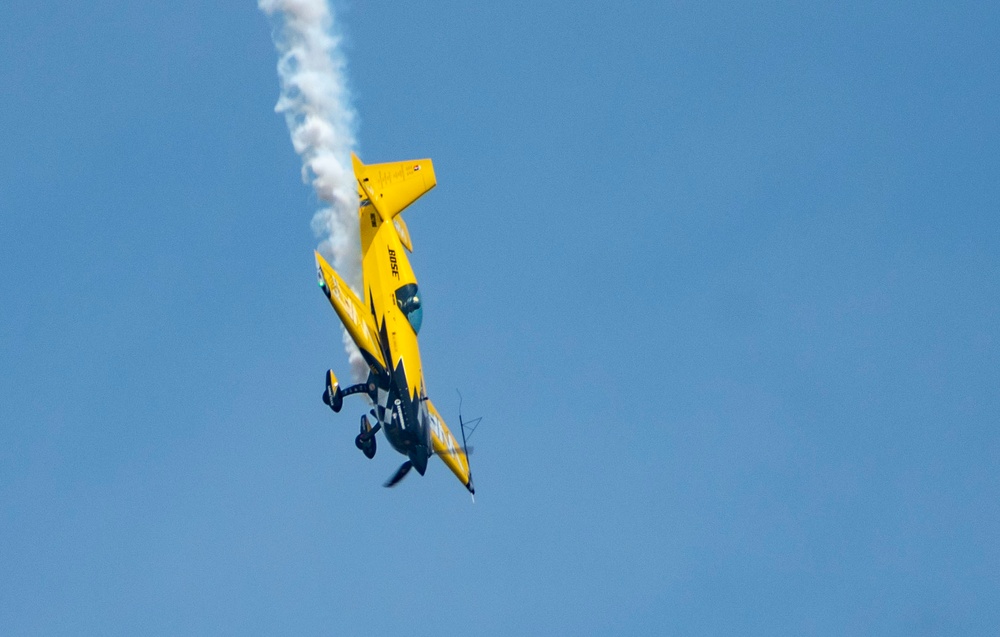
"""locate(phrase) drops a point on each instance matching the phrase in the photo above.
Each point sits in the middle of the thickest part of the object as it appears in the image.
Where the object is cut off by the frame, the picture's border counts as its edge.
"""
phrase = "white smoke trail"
(315, 102)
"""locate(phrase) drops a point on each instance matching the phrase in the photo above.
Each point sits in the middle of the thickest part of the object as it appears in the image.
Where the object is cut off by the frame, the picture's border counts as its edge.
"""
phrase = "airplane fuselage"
(385, 318)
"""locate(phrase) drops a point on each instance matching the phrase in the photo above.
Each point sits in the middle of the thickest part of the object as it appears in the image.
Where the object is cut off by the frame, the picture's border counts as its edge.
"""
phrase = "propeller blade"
(399, 475)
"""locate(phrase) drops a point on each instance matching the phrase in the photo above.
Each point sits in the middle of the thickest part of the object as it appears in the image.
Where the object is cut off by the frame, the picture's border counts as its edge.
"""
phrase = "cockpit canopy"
(408, 300)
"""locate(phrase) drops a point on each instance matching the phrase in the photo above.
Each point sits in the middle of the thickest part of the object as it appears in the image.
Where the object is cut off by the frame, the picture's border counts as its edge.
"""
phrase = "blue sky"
(724, 282)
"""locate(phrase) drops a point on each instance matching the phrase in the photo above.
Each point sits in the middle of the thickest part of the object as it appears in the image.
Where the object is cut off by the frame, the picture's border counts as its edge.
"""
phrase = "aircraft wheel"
(366, 444)
(335, 402)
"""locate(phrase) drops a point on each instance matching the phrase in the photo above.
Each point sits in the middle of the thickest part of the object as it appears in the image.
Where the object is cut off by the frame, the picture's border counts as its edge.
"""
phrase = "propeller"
(400, 474)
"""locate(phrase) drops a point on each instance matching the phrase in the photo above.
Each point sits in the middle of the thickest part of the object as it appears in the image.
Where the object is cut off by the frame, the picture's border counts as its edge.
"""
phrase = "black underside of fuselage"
(404, 417)
(405, 420)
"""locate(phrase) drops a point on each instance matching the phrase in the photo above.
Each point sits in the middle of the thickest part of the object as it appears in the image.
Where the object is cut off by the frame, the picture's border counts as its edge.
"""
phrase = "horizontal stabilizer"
(394, 186)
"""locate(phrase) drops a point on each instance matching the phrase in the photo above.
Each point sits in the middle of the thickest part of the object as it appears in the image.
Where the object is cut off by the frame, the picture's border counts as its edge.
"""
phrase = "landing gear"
(333, 395)
(365, 441)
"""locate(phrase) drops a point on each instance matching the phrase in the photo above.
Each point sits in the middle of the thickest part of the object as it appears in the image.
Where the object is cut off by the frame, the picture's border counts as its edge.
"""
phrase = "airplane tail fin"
(394, 186)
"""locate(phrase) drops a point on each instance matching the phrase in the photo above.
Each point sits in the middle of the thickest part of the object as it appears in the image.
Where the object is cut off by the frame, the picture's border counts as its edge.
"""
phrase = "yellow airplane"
(385, 325)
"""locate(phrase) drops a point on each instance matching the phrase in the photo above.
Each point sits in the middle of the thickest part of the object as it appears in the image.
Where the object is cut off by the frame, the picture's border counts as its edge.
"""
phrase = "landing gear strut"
(333, 395)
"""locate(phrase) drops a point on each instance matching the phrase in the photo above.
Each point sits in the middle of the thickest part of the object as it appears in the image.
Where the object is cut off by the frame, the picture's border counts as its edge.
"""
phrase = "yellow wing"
(357, 321)
(447, 447)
